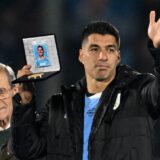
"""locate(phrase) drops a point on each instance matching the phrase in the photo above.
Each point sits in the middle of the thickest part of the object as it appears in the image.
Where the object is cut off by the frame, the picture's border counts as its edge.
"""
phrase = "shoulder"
(55, 98)
(129, 71)
(127, 75)
(67, 93)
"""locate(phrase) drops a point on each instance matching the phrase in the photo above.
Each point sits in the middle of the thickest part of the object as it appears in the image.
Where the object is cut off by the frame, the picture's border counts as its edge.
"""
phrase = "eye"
(94, 50)
(111, 50)
(2, 90)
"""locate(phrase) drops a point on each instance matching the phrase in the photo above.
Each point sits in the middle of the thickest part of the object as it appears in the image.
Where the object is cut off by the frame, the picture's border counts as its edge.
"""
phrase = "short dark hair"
(102, 28)
(40, 46)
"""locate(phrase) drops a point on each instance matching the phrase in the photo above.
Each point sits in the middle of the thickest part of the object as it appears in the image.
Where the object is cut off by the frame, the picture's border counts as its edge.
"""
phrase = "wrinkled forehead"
(4, 79)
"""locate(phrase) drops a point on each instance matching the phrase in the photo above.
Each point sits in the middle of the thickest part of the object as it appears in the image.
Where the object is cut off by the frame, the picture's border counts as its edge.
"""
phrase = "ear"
(14, 91)
(119, 56)
(81, 56)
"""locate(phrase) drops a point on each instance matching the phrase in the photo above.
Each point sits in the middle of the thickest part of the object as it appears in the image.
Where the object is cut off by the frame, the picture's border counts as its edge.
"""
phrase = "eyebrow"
(94, 45)
(108, 46)
(111, 45)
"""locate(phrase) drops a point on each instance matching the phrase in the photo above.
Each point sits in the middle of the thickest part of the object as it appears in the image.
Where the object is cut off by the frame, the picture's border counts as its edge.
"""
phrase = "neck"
(41, 57)
(4, 123)
(95, 86)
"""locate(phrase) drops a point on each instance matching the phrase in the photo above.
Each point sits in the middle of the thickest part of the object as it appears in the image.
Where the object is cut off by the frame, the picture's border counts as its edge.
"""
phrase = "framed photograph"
(42, 54)
(41, 58)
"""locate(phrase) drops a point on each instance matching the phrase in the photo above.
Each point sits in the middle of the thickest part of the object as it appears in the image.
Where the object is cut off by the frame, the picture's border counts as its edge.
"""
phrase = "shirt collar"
(8, 126)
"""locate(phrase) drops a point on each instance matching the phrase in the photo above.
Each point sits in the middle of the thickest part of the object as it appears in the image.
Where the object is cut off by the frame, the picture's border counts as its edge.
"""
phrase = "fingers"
(158, 21)
(152, 17)
(27, 67)
(24, 71)
(26, 97)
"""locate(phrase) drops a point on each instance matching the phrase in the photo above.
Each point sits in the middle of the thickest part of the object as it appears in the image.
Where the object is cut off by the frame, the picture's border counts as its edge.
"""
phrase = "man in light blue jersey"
(108, 115)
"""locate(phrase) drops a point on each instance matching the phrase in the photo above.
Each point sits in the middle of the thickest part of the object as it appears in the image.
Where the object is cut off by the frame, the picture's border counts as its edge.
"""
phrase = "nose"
(103, 55)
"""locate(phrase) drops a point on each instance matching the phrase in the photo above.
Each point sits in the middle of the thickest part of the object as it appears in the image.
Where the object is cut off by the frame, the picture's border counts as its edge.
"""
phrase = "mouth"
(102, 66)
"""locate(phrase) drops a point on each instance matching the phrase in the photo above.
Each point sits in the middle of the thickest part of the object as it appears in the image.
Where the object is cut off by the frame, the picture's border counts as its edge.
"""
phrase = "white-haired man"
(7, 92)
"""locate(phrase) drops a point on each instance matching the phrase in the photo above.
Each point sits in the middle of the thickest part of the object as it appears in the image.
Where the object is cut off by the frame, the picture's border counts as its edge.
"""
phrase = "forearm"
(151, 89)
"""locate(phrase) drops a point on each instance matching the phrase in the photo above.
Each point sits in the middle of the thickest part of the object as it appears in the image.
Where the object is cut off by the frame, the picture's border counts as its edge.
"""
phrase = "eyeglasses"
(4, 93)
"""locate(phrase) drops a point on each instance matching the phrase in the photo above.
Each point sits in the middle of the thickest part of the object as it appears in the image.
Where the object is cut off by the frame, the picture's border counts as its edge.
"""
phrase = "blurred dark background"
(66, 18)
